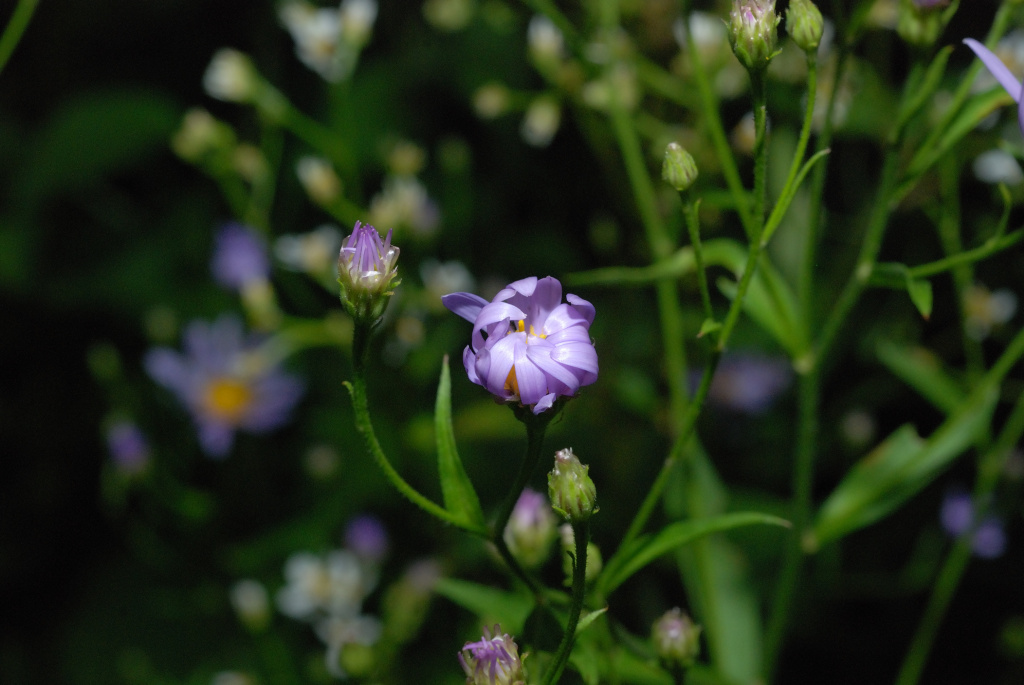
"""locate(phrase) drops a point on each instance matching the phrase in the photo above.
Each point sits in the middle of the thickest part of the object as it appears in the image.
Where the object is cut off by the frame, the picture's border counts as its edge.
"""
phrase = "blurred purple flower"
(225, 382)
(531, 529)
(748, 383)
(367, 538)
(1006, 79)
(239, 257)
(527, 345)
(958, 518)
(128, 446)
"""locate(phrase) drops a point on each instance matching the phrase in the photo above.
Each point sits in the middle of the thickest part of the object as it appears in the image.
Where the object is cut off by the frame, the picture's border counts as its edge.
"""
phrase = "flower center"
(521, 328)
(227, 399)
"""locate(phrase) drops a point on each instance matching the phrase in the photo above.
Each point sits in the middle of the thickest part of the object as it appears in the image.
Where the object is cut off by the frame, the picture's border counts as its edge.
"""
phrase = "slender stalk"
(15, 29)
(581, 536)
(360, 404)
(976, 254)
(535, 429)
(690, 210)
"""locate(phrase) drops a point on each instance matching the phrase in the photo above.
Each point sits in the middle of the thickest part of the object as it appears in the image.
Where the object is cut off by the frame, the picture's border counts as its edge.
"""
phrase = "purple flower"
(527, 345)
(367, 538)
(226, 382)
(239, 257)
(748, 383)
(958, 518)
(128, 446)
(1006, 79)
(494, 660)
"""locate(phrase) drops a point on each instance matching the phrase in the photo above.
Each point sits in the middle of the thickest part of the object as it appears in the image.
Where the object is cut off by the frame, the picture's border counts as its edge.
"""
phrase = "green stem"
(581, 536)
(759, 96)
(716, 131)
(690, 210)
(16, 29)
(976, 254)
(357, 389)
(790, 187)
(536, 426)
(803, 478)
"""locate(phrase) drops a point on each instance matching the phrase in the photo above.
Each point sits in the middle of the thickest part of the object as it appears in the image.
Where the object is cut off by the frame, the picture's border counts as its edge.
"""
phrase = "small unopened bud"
(572, 493)
(753, 32)
(676, 638)
(804, 24)
(679, 169)
(231, 77)
(531, 529)
(367, 273)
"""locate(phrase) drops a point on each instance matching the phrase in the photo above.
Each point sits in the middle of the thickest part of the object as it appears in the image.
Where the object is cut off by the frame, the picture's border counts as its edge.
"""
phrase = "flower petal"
(533, 382)
(466, 305)
(544, 361)
(582, 306)
(544, 403)
(1006, 79)
(501, 357)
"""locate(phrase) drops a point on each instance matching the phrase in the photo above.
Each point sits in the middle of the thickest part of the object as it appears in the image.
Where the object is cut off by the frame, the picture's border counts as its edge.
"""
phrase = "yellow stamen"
(227, 399)
(511, 383)
(521, 328)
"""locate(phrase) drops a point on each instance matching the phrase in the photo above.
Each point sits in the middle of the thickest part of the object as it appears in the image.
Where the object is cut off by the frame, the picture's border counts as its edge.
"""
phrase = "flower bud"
(679, 169)
(804, 24)
(676, 638)
(494, 660)
(367, 273)
(531, 529)
(572, 493)
(753, 32)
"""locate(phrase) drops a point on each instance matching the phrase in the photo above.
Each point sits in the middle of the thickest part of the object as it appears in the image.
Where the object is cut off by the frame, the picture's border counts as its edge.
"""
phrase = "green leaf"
(709, 326)
(899, 468)
(587, 661)
(972, 114)
(459, 496)
(922, 370)
(920, 291)
(644, 550)
(490, 604)
(630, 668)
(589, 618)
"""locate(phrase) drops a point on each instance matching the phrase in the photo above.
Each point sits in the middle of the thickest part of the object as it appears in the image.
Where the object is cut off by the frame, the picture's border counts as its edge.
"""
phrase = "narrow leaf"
(922, 371)
(491, 604)
(459, 496)
(899, 468)
(648, 548)
(920, 291)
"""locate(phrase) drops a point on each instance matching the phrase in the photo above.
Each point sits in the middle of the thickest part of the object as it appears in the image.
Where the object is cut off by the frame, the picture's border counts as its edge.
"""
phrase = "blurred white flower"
(231, 678)
(319, 179)
(997, 166)
(315, 253)
(328, 40)
(357, 19)
(541, 122)
(490, 100)
(251, 603)
(544, 39)
(984, 309)
(449, 15)
(333, 585)
(404, 203)
(231, 77)
(444, 278)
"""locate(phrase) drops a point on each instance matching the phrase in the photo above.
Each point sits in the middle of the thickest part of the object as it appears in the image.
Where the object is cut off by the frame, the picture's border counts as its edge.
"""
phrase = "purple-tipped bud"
(753, 32)
(367, 273)
(531, 529)
(494, 660)
(676, 638)
(805, 25)
(570, 488)
(367, 538)
(679, 169)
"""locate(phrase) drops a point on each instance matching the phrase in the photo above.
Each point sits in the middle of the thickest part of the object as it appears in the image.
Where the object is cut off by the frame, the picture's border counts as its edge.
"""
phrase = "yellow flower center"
(521, 328)
(227, 399)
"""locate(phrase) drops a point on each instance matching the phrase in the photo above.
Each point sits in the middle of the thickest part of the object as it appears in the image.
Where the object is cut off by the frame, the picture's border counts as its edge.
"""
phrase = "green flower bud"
(804, 24)
(753, 32)
(676, 638)
(679, 169)
(570, 489)
(367, 274)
